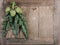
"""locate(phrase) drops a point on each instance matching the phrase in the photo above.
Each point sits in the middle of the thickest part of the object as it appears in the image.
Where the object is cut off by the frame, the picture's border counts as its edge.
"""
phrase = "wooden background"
(40, 17)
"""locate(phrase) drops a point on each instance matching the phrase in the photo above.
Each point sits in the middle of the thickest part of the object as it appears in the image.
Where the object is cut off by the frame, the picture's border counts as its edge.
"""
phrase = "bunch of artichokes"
(14, 20)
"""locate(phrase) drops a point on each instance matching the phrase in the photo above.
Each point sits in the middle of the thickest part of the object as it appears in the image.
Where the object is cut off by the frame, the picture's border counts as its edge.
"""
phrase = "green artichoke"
(7, 9)
(12, 13)
(18, 10)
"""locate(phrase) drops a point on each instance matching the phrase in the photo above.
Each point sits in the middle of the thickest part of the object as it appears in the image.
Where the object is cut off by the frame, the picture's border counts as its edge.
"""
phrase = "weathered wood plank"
(40, 2)
(46, 23)
(45, 29)
(22, 41)
(32, 19)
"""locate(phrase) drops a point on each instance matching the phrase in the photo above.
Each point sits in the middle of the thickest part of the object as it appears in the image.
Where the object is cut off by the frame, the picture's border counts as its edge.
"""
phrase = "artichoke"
(7, 9)
(18, 10)
(12, 13)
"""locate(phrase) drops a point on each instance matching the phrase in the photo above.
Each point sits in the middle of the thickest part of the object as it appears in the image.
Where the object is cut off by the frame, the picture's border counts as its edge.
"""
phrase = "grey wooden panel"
(57, 22)
(46, 23)
(40, 2)
(33, 23)
(46, 2)
(45, 31)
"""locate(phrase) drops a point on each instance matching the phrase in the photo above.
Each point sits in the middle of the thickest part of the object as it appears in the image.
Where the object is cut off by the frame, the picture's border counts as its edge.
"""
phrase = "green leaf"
(21, 17)
(24, 29)
(4, 31)
(16, 26)
(6, 25)
(15, 31)
(10, 19)
(6, 28)
(23, 25)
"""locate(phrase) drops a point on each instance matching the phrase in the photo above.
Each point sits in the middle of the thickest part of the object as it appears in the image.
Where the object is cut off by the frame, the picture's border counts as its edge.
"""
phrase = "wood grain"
(40, 2)
(46, 23)
(33, 23)
(39, 18)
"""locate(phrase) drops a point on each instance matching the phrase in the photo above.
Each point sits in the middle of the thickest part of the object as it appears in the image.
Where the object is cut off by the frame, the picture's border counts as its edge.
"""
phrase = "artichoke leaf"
(16, 27)
(4, 31)
(24, 29)
(7, 26)
(15, 30)
(23, 19)
(23, 25)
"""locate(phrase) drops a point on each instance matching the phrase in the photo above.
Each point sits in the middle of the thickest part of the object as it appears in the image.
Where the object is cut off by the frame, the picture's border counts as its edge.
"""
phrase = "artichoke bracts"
(14, 20)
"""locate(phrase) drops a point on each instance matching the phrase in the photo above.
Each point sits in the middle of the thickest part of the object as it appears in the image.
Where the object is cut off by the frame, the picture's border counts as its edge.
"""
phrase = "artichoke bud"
(18, 10)
(12, 13)
(7, 9)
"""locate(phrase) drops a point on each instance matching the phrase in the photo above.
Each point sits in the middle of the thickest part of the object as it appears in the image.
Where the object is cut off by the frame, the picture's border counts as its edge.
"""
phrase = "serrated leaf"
(6, 26)
(23, 25)
(4, 31)
(15, 31)
(16, 26)
(24, 30)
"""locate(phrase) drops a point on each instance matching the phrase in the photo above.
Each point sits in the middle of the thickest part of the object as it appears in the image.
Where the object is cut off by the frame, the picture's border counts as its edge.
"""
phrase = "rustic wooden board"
(33, 23)
(39, 23)
(40, 2)
(39, 20)
(46, 23)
